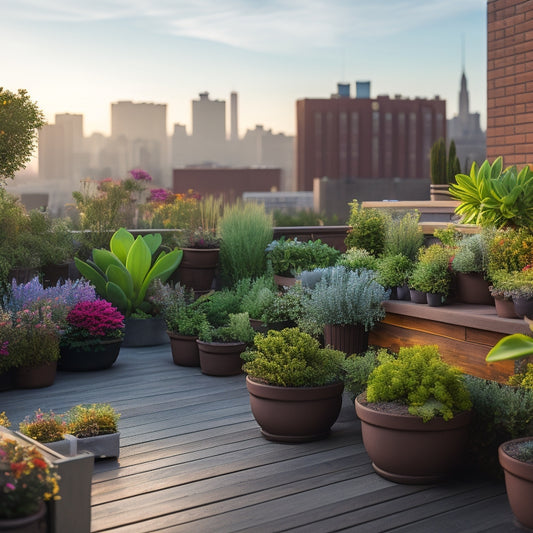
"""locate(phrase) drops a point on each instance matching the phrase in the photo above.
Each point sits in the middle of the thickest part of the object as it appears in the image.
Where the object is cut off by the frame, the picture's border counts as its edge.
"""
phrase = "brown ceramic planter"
(472, 288)
(518, 482)
(404, 449)
(197, 268)
(220, 358)
(350, 338)
(295, 414)
(184, 349)
(35, 377)
(504, 307)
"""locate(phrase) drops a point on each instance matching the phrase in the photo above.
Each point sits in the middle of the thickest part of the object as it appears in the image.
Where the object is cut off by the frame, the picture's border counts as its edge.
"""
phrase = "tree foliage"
(19, 120)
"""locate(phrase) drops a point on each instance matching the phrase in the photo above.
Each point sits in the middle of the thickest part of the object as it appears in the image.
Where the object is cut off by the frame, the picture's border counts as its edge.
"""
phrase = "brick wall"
(510, 81)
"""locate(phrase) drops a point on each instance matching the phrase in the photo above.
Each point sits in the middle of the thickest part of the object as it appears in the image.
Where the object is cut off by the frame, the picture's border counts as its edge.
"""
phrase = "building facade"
(344, 138)
(510, 81)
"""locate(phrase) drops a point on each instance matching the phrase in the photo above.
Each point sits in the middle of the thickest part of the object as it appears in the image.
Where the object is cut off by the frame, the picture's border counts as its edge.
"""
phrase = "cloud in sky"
(266, 26)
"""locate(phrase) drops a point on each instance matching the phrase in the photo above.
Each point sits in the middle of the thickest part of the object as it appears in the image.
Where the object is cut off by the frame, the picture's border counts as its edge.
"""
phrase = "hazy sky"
(78, 56)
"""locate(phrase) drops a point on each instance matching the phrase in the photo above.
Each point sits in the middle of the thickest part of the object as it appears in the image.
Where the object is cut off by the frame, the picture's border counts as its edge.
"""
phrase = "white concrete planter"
(101, 446)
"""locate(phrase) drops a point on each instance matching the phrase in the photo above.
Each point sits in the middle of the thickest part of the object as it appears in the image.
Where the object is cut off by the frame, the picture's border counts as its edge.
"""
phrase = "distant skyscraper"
(466, 131)
(209, 119)
(139, 137)
(362, 89)
(349, 138)
(234, 131)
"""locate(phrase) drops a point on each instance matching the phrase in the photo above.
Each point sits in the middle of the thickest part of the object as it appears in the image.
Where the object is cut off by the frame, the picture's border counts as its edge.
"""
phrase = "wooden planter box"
(73, 511)
(464, 334)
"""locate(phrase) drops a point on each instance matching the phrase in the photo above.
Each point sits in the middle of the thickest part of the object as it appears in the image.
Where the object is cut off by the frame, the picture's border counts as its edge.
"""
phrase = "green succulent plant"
(122, 276)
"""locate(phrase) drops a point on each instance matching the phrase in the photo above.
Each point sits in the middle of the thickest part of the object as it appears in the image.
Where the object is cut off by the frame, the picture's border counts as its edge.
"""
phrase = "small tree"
(453, 166)
(19, 120)
(438, 163)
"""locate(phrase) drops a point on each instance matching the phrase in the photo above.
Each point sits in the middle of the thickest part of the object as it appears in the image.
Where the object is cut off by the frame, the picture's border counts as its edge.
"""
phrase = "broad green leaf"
(120, 244)
(511, 347)
(138, 262)
(104, 258)
(122, 278)
(116, 296)
(153, 241)
(89, 273)
(496, 168)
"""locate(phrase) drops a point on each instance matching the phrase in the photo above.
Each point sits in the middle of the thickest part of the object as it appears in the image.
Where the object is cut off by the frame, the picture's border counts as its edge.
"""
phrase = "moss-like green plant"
(292, 358)
(357, 258)
(92, 420)
(357, 368)
(368, 229)
(523, 379)
(420, 379)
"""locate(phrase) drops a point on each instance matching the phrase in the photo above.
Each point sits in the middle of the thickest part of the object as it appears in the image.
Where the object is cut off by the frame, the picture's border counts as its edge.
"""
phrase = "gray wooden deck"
(192, 459)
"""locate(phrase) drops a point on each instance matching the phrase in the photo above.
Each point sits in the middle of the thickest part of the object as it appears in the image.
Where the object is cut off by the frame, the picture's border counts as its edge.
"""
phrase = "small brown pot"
(404, 449)
(504, 307)
(35, 377)
(184, 349)
(295, 414)
(348, 338)
(220, 358)
(518, 482)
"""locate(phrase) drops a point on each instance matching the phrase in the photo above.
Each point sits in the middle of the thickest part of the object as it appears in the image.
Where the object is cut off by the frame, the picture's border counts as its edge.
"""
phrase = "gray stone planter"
(101, 446)
(67, 447)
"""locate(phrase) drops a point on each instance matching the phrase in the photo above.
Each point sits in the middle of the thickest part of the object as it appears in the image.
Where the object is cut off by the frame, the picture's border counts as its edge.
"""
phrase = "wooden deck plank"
(193, 459)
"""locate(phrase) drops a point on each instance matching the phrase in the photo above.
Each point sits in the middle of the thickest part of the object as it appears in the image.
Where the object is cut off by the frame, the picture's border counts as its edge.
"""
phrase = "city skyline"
(77, 58)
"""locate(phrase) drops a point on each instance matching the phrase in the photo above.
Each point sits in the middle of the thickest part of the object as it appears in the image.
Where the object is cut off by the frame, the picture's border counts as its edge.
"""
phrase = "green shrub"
(357, 258)
(393, 270)
(404, 236)
(357, 368)
(238, 329)
(245, 230)
(368, 229)
(289, 257)
(499, 413)
(258, 295)
(420, 379)
(220, 305)
(292, 358)
(510, 250)
(523, 379)
(471, 254)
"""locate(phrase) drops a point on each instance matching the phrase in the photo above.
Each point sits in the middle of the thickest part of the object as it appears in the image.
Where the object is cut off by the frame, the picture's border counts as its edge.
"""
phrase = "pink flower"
(10, 486)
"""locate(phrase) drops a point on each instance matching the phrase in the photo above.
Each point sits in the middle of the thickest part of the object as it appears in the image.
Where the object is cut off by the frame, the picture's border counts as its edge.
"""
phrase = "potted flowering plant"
(49, 429)
(92, 337)
(32, 338)
(27, 481)
(96, 427)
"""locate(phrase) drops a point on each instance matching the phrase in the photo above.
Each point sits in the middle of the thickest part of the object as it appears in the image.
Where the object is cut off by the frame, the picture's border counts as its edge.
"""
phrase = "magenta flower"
(3, 348)
(140, 175)
(160, 195)
(97, 318)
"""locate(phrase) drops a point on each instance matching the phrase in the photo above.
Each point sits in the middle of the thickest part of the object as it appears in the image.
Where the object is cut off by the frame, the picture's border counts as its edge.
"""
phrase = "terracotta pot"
(284, 281)
(184, 349)
(35, 523)
(434, 300)
(505, 307)
(295, 414)
(523, 307)
(418, 297)
(97, 357)
(220, 358)
(404, 449)
(197, 268)
(349, 338)
(518, 482)
(144, 332)
(35, 377)
(472, 288)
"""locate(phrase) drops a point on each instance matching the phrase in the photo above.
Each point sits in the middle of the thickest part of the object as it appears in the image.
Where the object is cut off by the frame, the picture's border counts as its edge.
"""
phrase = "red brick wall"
(510, 81)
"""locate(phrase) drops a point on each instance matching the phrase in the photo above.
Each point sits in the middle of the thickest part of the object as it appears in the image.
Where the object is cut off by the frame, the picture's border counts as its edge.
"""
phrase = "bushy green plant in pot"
(295, 386)
(393, 271)
(403, 236)
(357, 258)
(414, 416)
(516, 455)
(367, 229)
(220, 347)
(346, 304)
(501, 290)
(96, 427)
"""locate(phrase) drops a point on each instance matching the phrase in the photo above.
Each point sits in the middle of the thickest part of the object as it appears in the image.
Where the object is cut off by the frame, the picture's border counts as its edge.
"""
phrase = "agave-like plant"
(123, 275)
(492, 197)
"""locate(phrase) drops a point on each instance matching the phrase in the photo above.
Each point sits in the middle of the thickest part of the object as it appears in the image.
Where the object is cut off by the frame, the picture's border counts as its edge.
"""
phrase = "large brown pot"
(220, 358)
(518, 482)
(35, 523)
(295, 414)
(404, 449)
(197, 268)
(472, 288)
(184, 349)
(348, 338)
(35, 377)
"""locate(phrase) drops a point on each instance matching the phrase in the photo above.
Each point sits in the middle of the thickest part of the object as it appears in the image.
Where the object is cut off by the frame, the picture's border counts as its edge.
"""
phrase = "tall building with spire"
(466, 131)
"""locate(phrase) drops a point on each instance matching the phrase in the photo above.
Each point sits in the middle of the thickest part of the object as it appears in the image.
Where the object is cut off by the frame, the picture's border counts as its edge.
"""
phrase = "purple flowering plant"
(89, 323)
(140, 175)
